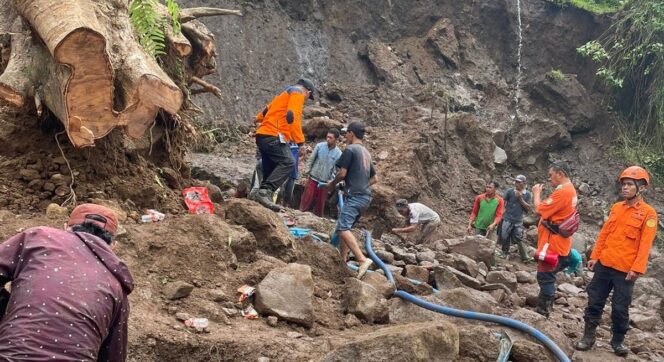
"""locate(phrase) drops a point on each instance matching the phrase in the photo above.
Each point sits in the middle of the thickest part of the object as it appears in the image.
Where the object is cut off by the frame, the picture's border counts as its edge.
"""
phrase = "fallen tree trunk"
(81, 59)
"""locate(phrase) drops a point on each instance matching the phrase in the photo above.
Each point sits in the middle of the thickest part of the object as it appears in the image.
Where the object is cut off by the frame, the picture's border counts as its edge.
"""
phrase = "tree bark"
(81, 59)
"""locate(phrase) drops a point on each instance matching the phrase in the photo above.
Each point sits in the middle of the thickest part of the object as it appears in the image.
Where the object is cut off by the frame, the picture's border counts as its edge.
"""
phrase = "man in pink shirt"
(69, 292)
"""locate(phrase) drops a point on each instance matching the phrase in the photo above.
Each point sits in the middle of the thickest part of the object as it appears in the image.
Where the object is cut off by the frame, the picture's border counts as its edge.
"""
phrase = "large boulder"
(385, 62)
(317, 127)
(365, 302)
(552, 328)
(568, 99)
(287, 293)
(442, 38)
(464, 278)
(412, 342)
(476, 247)
(272, 235)
(536, 138)
(468, 299)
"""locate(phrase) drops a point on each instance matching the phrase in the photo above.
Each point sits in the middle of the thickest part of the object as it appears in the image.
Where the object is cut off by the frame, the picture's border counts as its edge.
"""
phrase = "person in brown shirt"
(68, 298)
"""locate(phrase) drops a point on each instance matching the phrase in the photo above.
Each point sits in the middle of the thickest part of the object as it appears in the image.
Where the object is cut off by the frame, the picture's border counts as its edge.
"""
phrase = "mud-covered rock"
(287, 293)
(466, 265)
(177, 290)
(468, 299)
(271, 234)
(413, 342)
(317, 127)
(417, 272)
(525, 277)
(442, 38)
(476, 247)
(478, 343)
(364, 301)
(465, 279)
(567, 98)
(445, 279)
(644, 322)
(502, 277)
(534, 139)
(380, 282)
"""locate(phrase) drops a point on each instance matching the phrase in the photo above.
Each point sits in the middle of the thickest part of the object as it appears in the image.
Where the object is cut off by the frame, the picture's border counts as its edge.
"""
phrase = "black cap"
(309, 85)
(358, 128)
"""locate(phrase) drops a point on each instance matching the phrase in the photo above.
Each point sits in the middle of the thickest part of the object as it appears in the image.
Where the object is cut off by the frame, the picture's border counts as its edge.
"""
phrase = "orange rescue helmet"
(635, 173)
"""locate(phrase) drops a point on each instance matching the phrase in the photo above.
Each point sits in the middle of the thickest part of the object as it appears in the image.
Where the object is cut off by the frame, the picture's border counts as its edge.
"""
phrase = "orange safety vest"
(556, 208)
(283, 115)
(626, 238)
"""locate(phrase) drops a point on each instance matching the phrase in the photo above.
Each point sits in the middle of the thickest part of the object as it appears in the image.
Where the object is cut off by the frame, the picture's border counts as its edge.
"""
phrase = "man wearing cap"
(517, 201)
(69, 291)
(357, 171)
(619, 258)
(417, 216)
(278, 125)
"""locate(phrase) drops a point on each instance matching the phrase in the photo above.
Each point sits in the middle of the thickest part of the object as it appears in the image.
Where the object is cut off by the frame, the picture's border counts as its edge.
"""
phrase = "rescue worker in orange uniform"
(619, 258)
(279, 125)
(553, 210)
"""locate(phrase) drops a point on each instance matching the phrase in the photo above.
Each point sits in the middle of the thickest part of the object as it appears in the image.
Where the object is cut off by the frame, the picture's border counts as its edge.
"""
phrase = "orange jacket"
(283, 115)
(626, 237)
(556, 208)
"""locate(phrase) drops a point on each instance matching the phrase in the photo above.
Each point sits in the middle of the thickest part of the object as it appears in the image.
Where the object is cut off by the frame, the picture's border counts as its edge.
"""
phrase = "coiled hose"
(508, 322)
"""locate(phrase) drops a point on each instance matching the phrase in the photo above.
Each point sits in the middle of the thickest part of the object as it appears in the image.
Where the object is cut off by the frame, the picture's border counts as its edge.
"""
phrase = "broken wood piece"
(190, 14)
(207, 87)
(178, 42)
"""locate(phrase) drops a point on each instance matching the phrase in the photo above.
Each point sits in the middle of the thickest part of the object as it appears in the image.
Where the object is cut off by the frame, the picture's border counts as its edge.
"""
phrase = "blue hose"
(508, 322)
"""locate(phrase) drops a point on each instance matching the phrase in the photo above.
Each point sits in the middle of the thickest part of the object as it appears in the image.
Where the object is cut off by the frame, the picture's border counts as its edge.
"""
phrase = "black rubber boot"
(264, 197)
(544, 305)
(588, 339)
(617, 344)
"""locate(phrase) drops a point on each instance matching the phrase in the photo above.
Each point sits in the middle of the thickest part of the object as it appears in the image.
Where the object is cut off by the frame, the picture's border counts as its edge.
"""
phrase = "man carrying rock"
(517, 201)
(279, 124)
(68, 291)
(553, 210)
(620, 256)
(320, 167)
(417, 216)
(357, 171)
(487, 211)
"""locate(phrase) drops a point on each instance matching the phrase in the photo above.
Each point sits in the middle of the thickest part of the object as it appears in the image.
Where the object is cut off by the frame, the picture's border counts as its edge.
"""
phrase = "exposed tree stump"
(81, 60)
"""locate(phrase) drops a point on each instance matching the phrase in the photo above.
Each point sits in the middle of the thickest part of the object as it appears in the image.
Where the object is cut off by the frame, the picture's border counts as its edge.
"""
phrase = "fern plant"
(149, 25)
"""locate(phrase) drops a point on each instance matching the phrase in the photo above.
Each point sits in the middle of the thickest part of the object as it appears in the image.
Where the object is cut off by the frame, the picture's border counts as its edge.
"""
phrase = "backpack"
(567, 227)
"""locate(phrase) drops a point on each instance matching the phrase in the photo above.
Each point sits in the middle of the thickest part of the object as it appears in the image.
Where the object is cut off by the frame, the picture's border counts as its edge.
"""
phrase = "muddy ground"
(435, 82)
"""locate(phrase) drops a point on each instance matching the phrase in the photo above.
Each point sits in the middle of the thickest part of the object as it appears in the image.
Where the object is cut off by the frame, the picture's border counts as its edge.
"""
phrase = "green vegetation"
(555, 75)
(637, 148)
(630, 56)
(149, 25)
(594, 6)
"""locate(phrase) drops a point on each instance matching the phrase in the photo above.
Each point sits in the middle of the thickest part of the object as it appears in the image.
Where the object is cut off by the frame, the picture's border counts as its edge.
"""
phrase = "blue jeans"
(350, 213)
(547, 280)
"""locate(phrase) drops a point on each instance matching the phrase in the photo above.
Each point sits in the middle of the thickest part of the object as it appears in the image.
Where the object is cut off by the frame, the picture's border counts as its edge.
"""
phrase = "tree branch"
(207, 87)
(195, 13)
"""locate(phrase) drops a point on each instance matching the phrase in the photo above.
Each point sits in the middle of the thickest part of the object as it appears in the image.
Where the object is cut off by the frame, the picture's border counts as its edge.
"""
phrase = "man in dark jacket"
(68, 291)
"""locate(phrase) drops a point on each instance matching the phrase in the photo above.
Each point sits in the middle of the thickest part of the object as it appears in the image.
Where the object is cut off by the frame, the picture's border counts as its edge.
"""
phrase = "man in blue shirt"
(320, 167)
(517, 200)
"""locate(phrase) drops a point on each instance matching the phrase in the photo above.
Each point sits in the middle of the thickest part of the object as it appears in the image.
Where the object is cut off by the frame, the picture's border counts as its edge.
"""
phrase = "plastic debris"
(245, 292)
(198, 324)
(198, 200)
(249, 312)
(152, 216)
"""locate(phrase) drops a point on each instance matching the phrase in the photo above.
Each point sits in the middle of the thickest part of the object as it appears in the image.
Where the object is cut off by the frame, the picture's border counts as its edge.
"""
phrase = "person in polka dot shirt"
(69, 291)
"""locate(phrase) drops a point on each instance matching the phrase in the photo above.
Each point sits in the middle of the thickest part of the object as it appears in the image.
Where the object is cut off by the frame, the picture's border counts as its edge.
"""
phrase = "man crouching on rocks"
(619, 258)
(358, 173)
(69, 292)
